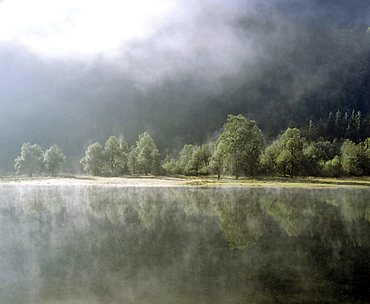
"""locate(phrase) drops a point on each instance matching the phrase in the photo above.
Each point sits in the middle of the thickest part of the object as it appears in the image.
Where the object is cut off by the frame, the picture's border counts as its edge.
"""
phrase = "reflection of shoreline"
(242, 213)
(309, 182)
(243, 242)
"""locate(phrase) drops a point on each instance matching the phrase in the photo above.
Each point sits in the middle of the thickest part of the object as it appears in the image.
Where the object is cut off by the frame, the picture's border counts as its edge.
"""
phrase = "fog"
(91, 244)
(73, 72)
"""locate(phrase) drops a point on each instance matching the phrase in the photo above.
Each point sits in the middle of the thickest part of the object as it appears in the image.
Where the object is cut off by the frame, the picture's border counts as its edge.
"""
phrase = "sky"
(157, 39)
(151, 40)
(78, 27)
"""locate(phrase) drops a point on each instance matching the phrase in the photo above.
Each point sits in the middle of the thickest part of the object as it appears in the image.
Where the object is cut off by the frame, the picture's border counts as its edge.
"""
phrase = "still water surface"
(87, 245)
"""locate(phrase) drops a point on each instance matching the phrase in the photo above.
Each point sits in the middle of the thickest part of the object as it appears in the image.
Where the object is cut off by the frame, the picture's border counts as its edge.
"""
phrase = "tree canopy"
(94, 160)
(53, 159)
(240, 145)
(147, 154)
(116, 153)
(238, 150)
(30, 161)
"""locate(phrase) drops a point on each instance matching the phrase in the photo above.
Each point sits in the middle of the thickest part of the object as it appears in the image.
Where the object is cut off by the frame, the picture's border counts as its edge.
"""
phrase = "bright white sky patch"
(79, 27)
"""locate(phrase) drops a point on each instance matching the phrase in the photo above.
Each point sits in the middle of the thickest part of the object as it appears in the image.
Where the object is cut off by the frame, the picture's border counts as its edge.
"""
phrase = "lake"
(90, 244)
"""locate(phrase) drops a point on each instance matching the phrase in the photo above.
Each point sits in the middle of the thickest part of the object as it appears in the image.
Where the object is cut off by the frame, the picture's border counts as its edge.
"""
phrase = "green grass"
(304, 182)
(208, 181)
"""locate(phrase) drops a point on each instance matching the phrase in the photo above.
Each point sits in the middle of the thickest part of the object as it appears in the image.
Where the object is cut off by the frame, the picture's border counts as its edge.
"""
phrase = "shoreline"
(166, 181)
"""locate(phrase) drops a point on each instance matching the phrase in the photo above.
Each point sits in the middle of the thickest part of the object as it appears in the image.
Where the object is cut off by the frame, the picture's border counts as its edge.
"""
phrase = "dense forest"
(338, 147)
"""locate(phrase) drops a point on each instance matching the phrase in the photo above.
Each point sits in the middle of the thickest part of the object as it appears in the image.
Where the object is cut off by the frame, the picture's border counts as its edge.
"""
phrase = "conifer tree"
(311, 132)
(330, 127)
(345, 126)
(338, 125)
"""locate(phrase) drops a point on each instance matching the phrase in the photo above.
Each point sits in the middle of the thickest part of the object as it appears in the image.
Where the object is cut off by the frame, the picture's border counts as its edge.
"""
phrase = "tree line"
(34, 161)
(115, 158)
(348, 125)
(239, 150)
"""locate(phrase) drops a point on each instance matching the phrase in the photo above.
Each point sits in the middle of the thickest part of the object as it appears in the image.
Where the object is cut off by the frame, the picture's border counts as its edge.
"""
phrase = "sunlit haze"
(75, 72)
(78, 27)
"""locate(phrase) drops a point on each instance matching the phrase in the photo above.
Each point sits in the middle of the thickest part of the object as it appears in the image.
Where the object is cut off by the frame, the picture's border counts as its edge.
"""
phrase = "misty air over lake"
(91, 244)
(170, 151)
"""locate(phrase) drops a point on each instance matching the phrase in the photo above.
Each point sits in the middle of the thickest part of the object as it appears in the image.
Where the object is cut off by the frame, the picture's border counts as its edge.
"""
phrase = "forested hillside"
(280, 63)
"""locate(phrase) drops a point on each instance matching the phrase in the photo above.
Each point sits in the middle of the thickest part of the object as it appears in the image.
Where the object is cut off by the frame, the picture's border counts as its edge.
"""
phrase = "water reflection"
(84, 244)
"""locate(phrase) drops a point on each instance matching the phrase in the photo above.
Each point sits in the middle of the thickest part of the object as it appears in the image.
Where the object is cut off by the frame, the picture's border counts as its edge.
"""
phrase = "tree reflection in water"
(186, 245)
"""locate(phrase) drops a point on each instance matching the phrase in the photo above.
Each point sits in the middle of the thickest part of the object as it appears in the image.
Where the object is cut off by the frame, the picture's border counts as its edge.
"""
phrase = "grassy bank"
(181, 181)
(304, 182)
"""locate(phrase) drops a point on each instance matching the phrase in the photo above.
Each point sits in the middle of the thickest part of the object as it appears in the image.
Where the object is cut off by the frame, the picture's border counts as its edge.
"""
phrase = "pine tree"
(345, 127)
(311, 132)
(338, 124)
(357, 125)
(365, 127)
(330, 127)
(320, 130)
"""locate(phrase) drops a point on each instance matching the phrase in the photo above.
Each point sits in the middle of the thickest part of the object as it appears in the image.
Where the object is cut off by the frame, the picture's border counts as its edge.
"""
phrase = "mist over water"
(82, 244)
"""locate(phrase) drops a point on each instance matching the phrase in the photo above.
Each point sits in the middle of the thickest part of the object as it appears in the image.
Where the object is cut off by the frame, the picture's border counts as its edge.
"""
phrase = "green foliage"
(216, 162)
(366, 156)
(132, 160)
(332, 167)
(147, 155)
(53, 159)
(330, 126)
(338, 125)
(185, 156)
(353, 126)
(171, 166)
(94, 161)
(315, 154)
(116, 154)
(292, 155)
(311, 132)
(30, 161)
(199, 160)
(352, 155)
(240, 145)
(268, 159)
(192, 160)
(290, 152)
(238, 151)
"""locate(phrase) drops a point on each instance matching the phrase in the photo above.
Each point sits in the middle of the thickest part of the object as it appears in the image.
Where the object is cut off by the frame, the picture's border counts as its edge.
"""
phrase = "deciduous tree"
(94, 161)
(352, 156)
(147, 154)
(240, 145)
(53, 159)
(116, 154)
(30, 161)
